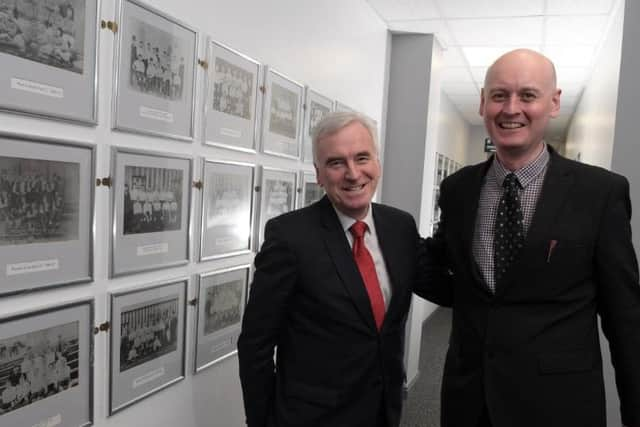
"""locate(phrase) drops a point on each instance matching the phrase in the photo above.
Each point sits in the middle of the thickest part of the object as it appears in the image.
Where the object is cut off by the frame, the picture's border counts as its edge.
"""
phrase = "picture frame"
(147, 341)
(227, 209)
(49, 61)
(340, 106)
(316, 107)
(281, 115)
(233, 99)
(48, 366)
(221, 302)
(310, 191)
(277, 195)
(46, 212)
(154, 73)
(151, 210)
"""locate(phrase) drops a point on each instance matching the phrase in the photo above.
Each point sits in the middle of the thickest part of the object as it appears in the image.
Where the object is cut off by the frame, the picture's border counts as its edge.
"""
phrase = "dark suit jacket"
(307, 299)
(531, 352)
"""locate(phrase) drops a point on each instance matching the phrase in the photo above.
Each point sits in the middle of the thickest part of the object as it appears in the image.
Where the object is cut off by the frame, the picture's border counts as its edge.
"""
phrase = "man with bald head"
(531, 248)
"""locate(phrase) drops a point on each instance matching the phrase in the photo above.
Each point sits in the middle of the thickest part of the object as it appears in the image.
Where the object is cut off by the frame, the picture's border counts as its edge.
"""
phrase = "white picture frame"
(46, 212)
(277, 195)
(221, 302)
(316, 106)
(310, 191)
(233, 99)
(147, 341)
(49, 63)
(151, 210)
(281, 115)
(154, 94)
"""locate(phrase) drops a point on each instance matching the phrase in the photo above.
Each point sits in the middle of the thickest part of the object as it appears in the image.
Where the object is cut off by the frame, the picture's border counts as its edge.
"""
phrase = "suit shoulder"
(391, 211)
(590, 174)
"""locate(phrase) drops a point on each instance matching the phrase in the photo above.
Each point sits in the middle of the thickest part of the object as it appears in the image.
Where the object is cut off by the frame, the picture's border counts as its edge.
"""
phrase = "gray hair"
(336, 121)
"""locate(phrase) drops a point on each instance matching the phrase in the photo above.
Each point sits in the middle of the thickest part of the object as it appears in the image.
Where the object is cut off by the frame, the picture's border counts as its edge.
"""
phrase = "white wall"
(337, 47)
(591, 131)
(475, 149)
(453, 132)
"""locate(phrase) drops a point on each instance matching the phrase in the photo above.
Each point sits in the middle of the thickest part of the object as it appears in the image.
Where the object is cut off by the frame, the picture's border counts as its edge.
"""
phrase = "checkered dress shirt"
(531, 178)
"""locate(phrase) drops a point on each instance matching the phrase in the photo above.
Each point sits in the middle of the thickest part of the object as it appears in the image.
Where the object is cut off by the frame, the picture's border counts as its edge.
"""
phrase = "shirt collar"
(346, 221)
(525, 174)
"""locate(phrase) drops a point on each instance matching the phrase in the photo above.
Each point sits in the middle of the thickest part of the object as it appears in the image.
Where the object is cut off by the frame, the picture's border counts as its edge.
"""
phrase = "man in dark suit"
(334, 312)
(532, 247)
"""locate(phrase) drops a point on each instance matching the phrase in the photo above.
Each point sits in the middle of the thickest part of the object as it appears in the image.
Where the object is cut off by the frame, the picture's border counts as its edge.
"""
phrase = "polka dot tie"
(509, 231)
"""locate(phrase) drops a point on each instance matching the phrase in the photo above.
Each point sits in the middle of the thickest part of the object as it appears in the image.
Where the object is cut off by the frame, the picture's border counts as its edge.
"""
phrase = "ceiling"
(473, 33)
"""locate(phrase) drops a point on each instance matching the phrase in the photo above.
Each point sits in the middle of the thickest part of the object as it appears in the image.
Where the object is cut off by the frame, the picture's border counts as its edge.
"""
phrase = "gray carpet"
(422, 407)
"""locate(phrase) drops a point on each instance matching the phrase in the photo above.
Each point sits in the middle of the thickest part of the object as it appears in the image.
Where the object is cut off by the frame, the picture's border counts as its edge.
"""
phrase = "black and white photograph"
(221, 305)
(148, 331)
(155, 73)
(282, 115)
(227, 209)
(46, 212)
(317, 106)
(311, 190)
(278, 189)
(231, 105)
(37, 365)
(147, 343)
(340, 106)
(50, 32)
(151, 197)
(45, 366)
(48, 50)
(156, 61)
(38, 201)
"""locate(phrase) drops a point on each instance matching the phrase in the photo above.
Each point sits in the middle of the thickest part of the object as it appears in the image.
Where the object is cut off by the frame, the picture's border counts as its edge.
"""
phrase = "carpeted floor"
(422, 407)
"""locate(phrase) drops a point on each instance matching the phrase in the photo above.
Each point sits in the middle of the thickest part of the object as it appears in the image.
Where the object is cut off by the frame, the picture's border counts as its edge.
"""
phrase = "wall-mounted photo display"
(339, 106)
(46, 213)
(233, 99)
(46, 367)
(282, 115)
(151, 210)
(439, 168)
(48, 56)
(154, 73)
(316, 107)
(227, 209)
(221, 300)
(277, 195)
(310, 190)
(147, 350)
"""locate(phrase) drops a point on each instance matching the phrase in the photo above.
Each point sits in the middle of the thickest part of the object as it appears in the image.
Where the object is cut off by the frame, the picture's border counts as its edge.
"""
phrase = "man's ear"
(555, 101)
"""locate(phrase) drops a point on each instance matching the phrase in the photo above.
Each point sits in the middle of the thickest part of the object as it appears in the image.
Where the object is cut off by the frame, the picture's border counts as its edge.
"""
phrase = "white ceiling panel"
(456, 75)
(490, 8)
(570, 55)
(562, 30)
(484, 56)
(580, 7)
(491, 32)
(405, 9)
(453, 57)
(430, 26)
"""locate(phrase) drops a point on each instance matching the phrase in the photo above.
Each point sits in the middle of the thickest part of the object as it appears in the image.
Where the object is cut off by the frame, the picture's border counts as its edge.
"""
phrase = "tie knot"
(358, 228)
(511, 181)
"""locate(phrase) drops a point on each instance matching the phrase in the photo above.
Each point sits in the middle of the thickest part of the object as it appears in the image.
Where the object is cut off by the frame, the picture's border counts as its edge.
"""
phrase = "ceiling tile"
(405, 9)
(570, 55)
(490, 8)
(452, 57)
(579, 7)
(430, 26)
(484, 56)
(456, 75)
(492, 32)
(587, 30)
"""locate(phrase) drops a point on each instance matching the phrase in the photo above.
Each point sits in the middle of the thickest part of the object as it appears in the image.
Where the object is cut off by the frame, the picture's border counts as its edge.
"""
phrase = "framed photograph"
(151, 210)
(147, 351)
(233, 99)
(154, 73)
(277, 195)
(48, 55)
(221, 300)
(316, 107)
(339, 106)
(227, 202)
(310, 190)
(46, 213)
(46, 367)
(282, 115)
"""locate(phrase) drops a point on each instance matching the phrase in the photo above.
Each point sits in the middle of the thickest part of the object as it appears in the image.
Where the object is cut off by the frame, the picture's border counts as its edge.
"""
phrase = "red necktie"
(367, 271)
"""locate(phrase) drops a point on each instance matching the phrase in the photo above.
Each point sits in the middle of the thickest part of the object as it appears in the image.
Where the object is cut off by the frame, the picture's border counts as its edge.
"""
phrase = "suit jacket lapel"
(340, 252)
